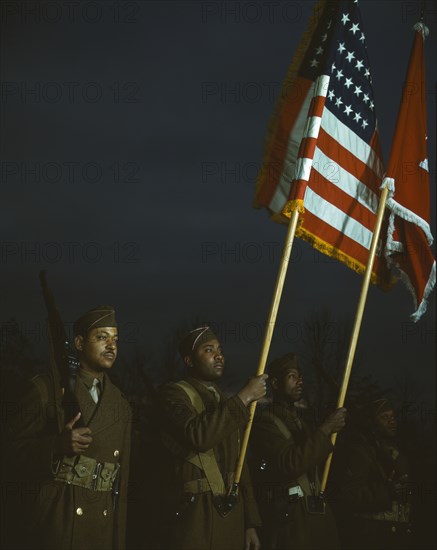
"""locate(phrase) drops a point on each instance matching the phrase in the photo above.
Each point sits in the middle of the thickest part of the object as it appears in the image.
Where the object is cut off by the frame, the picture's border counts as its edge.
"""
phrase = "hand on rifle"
(334, 422)
(254, 389)
(73, 441)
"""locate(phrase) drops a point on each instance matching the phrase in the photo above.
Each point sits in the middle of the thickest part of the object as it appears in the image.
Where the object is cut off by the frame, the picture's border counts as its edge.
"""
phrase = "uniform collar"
(205, 388)
(87, 378)
(286, 409)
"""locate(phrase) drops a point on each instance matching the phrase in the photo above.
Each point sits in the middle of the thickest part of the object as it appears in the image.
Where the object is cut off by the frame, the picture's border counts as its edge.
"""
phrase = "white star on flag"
(328, 125)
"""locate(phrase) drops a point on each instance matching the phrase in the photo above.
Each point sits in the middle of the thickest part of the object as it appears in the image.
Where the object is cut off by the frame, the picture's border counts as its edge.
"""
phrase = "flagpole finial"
(421, 27)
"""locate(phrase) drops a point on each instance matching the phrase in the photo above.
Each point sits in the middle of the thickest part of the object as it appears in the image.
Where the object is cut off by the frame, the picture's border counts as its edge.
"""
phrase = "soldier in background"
(202, 430)
(73, 484)
(287, 453)
(372, 488)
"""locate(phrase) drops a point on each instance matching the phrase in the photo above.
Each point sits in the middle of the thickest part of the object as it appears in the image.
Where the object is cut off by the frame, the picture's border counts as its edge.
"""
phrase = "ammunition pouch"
(399, 513)
(86, 472)
(295, 493)
(272, 492)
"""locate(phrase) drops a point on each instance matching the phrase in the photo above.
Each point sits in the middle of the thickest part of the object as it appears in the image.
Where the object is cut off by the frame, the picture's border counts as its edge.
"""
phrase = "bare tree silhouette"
(325, 342)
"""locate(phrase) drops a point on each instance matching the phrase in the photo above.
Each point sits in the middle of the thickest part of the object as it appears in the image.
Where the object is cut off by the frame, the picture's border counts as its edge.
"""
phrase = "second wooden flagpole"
(357, 324)
(286, 254)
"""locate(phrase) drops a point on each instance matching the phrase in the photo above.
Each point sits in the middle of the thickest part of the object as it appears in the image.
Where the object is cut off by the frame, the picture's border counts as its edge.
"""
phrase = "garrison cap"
(194, 339)
(378, 406)
(280, 365)
(101, 316)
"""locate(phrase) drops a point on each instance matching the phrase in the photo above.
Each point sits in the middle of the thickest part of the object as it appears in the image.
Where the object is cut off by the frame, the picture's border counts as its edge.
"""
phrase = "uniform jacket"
(364, 468)
(196, 523)
(371, 514)
(58, 515)
(280, 461)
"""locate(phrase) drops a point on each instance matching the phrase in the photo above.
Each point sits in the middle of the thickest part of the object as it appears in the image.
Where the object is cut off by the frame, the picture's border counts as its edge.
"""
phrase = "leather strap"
(303, 480)
(206, 461)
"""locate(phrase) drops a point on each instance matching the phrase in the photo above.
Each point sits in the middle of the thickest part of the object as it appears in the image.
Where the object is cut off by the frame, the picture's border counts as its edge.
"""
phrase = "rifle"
(63, 360)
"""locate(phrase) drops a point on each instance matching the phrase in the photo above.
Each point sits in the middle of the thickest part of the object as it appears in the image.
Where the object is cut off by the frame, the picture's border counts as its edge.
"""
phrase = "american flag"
(323, 154)
(409, 233)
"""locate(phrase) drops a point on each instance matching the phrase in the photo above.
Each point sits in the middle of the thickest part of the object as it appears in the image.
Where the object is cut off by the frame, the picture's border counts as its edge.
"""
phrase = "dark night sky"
(143, 124)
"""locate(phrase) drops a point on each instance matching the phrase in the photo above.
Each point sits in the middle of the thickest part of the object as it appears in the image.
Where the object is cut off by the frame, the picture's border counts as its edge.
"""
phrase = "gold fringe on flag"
(289, 81)
(333, 252)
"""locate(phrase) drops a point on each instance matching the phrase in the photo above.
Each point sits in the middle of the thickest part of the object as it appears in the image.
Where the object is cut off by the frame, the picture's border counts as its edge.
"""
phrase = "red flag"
(409, 234)
(323, 155)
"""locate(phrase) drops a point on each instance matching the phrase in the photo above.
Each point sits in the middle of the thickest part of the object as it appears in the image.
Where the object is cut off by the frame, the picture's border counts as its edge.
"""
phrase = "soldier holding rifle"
(78, 473)
(374, 491)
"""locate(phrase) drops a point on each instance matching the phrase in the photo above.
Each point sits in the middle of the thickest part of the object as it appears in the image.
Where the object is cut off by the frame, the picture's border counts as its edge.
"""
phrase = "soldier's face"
(98, 349)
(386, 424)
(207, 362)
(291, 385)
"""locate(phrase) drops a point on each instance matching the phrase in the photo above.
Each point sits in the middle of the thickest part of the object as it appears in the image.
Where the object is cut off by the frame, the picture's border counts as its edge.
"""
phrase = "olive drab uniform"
(72, 504)
(287, 454)
(201, 431)
(371, 514)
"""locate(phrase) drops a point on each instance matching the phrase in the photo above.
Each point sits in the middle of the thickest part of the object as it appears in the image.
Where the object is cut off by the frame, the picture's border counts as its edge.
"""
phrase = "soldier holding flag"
(201, 430)
(288, 452)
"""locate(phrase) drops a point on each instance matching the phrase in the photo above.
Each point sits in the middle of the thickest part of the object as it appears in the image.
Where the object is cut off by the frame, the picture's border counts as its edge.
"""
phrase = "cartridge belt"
(87, 472)
(399, 513)
(200, 485)
(197, 486)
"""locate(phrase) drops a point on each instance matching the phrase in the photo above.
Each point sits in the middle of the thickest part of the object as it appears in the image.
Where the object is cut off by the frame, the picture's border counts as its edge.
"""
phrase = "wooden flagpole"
(357, 324)
(286, 254)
